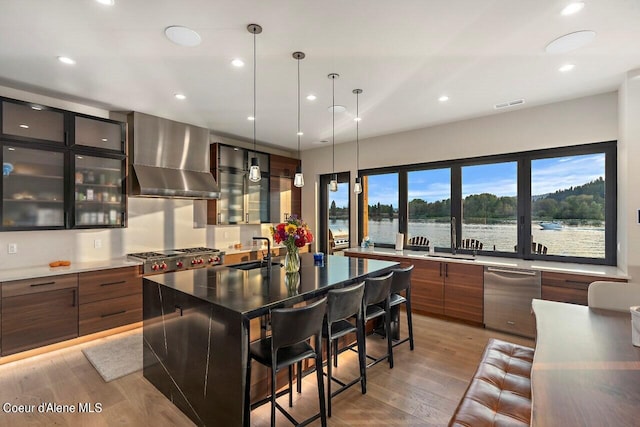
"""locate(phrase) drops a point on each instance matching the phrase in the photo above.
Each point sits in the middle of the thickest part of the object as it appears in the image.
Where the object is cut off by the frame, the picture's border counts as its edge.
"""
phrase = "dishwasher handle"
(520, 272)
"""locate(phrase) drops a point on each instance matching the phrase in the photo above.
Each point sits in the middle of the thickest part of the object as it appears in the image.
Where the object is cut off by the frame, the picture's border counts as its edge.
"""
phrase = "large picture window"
(555, 204)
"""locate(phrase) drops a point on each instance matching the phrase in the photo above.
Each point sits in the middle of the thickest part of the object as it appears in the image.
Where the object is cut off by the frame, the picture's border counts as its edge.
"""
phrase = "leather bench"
(500, 391)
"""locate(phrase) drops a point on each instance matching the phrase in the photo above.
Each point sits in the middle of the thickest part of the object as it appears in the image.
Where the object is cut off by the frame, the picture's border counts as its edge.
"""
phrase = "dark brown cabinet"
(109, 298)
(27, 121)
(285, 198)
(566, 287)
(38, 312)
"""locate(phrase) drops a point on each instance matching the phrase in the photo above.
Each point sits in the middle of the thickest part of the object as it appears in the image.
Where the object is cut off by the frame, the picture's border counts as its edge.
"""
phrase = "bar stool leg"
(387, 319)
(409, 320)
(273, 395)
(335, 353)
(329, 376)
(323, 409)
(299, 377)
(362, 358)
(290, 369)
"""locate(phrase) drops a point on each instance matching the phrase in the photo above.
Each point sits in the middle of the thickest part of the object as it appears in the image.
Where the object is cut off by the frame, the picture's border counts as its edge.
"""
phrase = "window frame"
(523, 159)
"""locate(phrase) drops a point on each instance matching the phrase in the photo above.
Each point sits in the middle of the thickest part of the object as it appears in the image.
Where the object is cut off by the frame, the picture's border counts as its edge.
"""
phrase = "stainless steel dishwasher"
(507, 299)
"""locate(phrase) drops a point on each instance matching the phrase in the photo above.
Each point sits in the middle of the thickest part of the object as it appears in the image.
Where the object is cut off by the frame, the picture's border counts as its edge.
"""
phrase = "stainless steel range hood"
(169, 159)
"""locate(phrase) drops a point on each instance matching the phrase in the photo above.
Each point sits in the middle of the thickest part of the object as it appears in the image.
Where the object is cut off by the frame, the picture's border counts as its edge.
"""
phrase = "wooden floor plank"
(423, 389)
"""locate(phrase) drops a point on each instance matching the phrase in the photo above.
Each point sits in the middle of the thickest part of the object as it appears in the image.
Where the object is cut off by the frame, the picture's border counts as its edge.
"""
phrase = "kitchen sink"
(252, 265)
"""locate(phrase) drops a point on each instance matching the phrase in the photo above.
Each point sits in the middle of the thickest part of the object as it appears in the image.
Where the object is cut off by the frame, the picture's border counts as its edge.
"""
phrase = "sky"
(547, 176)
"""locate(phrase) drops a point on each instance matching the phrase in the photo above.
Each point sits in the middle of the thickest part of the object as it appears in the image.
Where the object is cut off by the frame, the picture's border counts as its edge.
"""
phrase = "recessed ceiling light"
(182, 36)
(337, 108)
(357, 119)
(66, 60)
(11, 149)
(251, 118)
(106, 2)
(79, 157)
(104, 139)
(566, 67)
(572, 8)
(23, 126)
(300, 133)
(311, 97)
(36, 107)
(237, 63)
(571, 41)
(322, 141)
(443, 98)
(180, 96)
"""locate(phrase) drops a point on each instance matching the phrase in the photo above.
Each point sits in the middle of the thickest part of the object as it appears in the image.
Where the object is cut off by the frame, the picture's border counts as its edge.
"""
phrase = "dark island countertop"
(253, 292)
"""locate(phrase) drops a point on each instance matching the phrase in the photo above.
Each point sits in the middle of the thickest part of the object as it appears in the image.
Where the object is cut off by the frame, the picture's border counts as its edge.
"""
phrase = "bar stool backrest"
(401, 279)
(344, 303)
(290, 326)
(376, 289)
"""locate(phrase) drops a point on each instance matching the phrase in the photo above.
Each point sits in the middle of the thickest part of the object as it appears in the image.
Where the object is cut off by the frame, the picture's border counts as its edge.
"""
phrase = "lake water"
(580, 241)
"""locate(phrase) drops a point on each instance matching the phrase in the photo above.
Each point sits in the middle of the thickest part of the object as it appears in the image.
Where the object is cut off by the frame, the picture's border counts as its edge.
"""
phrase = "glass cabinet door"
(258, 201)
(99, 198)
(32, 121)
(32, 188)
(231, 208)
(99, 133)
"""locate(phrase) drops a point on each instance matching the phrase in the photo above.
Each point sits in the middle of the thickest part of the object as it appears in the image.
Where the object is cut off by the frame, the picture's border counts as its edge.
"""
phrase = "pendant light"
(298, 179)
(254, 170)
(333, 184)
(357, 187)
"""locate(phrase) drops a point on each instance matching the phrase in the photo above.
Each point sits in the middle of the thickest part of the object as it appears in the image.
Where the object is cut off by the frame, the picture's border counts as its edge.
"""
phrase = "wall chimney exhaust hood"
(169, 159)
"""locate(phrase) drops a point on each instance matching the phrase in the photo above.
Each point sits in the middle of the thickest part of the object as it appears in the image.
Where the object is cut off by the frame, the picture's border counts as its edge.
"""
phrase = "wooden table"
(585, 372)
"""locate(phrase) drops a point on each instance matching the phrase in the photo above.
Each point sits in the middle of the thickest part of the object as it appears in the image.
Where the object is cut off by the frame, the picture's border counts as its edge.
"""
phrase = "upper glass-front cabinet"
(32, 188)
(60, 169)
(99, 133)
(32, 121)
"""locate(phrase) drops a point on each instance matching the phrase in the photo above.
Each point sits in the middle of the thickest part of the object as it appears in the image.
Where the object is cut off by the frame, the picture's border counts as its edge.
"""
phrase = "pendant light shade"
(298, 179)
(254, 170)
(333, 184)
(357, 187)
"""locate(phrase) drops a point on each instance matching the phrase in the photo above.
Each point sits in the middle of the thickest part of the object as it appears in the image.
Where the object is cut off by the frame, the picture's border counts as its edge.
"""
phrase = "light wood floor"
(423, 389)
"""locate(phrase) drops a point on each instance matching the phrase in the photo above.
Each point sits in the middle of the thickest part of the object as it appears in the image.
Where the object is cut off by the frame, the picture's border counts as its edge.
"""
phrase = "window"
(429, 207)
(490, 207)
(568, 206)
(380, 216)
(339, 215)
(555, 204)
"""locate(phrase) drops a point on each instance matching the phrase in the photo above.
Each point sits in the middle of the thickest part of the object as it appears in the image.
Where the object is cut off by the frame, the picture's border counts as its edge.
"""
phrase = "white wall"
(578, 121)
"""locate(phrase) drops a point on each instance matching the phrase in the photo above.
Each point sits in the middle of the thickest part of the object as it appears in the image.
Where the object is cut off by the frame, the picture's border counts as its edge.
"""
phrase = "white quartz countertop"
(35, 271)
(606, 271)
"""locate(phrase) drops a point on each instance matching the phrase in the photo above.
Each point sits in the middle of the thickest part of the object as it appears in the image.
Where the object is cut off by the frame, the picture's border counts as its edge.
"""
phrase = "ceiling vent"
(509, 104)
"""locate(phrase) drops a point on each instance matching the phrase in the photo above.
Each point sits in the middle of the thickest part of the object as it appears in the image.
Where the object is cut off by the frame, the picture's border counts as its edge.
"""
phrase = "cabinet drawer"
(106, 314)
(575, 281)
(113, 283)
(42, 284)
(35, 320)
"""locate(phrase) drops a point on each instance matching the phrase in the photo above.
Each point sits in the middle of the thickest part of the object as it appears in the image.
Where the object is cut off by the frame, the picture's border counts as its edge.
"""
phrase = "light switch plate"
(97, 243)
(12, 248)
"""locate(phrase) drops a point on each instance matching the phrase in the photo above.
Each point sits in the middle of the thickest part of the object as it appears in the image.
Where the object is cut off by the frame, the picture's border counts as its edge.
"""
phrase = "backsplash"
(226, 237)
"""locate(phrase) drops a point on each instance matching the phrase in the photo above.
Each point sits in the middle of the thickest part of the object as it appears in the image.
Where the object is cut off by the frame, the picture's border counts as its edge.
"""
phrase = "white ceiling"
(404, 54)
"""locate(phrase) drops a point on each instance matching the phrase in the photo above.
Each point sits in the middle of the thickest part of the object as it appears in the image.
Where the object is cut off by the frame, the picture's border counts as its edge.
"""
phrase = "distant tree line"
(583, 202)
(336, 213)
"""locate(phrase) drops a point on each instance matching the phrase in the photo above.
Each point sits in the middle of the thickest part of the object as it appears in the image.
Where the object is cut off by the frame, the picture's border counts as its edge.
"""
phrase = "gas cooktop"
(177, 259)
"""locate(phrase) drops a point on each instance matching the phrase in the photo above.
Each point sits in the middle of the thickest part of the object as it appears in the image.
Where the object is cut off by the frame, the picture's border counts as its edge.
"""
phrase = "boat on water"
(550, 225)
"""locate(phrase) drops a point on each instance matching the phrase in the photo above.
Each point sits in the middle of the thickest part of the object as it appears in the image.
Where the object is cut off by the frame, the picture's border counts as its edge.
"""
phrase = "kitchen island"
(196, 327)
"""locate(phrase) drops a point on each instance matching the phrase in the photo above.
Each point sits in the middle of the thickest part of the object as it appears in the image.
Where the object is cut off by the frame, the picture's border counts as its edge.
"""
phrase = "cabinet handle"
(75, 295)
(42, 284)
(286, 216)
(219, 217)
(446, 270)
(113, 283)
(246, 218)
(577, 282)
(113, 314)
(440, 269)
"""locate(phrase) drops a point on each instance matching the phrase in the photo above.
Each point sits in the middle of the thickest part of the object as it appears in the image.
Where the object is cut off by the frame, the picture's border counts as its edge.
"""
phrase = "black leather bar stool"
(402, 283)
(375, 303)
(291, 329)
(342, 305)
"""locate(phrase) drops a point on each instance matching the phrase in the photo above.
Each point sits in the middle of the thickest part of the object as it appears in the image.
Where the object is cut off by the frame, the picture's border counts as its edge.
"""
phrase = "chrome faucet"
(268, 257)
(453, 235)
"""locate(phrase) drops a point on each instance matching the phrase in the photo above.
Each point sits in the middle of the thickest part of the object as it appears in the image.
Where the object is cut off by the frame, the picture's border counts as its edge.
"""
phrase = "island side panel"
(195, 354)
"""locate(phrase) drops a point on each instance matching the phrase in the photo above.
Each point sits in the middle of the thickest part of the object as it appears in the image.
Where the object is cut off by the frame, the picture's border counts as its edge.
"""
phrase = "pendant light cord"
(357, 130)
(333, 124)
(254, 95)
(298, 108)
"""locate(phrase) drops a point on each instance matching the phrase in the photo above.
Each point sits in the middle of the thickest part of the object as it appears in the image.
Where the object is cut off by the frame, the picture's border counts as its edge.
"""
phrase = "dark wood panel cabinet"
(464, 291)
(427, 287)
(571, 288)
(38, 312)
(109, 298)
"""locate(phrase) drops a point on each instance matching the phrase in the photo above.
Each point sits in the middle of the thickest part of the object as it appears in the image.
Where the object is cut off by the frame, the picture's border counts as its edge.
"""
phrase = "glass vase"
(292, 261)
(292, 281)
